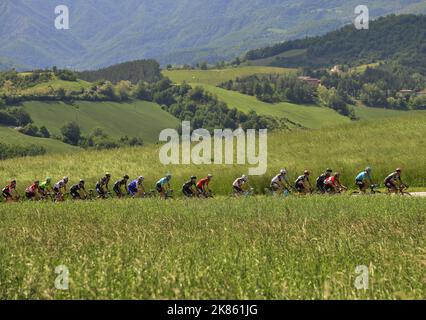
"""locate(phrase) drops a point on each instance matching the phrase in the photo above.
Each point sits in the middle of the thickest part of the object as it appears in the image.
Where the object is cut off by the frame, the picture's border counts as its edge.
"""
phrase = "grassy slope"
(135, 119)
(383, 144)
(215, 77)
(12, 137)
(217, 249)
(307, 116)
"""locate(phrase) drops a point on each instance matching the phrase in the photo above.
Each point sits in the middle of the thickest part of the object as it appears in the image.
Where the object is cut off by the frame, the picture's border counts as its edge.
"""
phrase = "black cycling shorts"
(159, 187)
(238, 189)
(187, 192)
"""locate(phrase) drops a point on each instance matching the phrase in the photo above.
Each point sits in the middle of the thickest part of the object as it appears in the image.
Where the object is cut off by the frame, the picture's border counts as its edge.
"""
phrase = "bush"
(30, 130)
(71, 133)
(22, 117)
(7, 119)
(44, 132)
(7, 151)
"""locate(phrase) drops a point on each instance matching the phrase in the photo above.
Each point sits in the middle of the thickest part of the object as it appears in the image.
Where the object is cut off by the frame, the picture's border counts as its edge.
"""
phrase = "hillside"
(395, 38)
(347, 147)
(134, 119)
(309, 116)
(109, 32)
(12, 137)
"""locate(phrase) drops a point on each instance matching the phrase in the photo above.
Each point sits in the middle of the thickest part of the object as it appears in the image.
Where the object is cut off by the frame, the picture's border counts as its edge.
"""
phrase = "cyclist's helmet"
(81, 181)
(193, 178)
(126, 177)
(13, 181)
(48, 179)
(108, 175)
(337, 174)
(306, 172)
(398, 170)
(209, 176)
(245, 178)
(37, 182)
(65, 179)
(141, 178)
(368, 169)
(329, 170)
(169, 176)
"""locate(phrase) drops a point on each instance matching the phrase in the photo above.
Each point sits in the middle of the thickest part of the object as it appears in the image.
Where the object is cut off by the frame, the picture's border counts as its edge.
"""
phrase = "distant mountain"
(105, 32)
(394, 38)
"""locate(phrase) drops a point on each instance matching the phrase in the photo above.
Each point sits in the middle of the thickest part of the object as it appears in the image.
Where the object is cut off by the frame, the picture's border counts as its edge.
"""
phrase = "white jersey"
(278, 178)
(238, 182)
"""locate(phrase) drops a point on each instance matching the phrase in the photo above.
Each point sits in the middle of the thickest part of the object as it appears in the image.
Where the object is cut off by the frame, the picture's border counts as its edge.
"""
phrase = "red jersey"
(331, 181)
(33, 189)
(203, 183)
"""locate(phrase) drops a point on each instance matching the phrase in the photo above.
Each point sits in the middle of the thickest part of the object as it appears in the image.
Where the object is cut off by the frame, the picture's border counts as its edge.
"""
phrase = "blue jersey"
(133, 185)
(163, 181)
(363, 176)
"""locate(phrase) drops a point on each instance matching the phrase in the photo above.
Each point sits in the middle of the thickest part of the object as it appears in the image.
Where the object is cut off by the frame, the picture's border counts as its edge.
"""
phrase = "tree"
(123, 89)
(44, 132)
(71, 133)
(22, 117)
(373, 96)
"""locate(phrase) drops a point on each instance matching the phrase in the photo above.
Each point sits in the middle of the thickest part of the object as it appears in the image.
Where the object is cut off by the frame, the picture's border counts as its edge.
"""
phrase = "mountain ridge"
(106, 32)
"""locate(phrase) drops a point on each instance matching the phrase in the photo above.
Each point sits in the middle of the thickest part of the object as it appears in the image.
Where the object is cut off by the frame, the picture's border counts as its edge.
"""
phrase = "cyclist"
(188, 187)
(280, 181)
(60, 188)
(363, 180)
(78, 191)
(46, 187)
(393, 181)
(102, 186)
(34, 192)
(163, 185)
(118, 185)
(238, 185)
(9, 192)
(203, 186)
(321, 180)
(136, 188)
(333, 185)
(302, 183)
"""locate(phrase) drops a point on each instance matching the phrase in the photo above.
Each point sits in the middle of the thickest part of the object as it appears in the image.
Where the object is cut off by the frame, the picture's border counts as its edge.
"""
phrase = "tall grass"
(254, 248)
(384, 145)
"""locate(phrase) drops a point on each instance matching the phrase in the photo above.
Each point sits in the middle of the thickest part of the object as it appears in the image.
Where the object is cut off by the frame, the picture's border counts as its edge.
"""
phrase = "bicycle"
(246, 193)
(373, 190)
(401, 191)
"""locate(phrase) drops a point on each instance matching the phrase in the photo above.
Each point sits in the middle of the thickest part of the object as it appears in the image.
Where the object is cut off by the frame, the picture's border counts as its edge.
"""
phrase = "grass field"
(12, 137)
(135, 119)
(260, 248)
(225, 248)
(383, 144)
(217, 76)
(309, 116)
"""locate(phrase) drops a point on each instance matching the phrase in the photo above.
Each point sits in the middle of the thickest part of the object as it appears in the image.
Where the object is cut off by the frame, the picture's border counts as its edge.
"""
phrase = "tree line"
(400, 38)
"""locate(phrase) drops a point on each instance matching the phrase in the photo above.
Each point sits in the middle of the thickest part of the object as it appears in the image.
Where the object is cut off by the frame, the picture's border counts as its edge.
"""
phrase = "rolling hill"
(395, 38)
(10, 136)
(309, 116)
(106, 32)
(134, 119)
